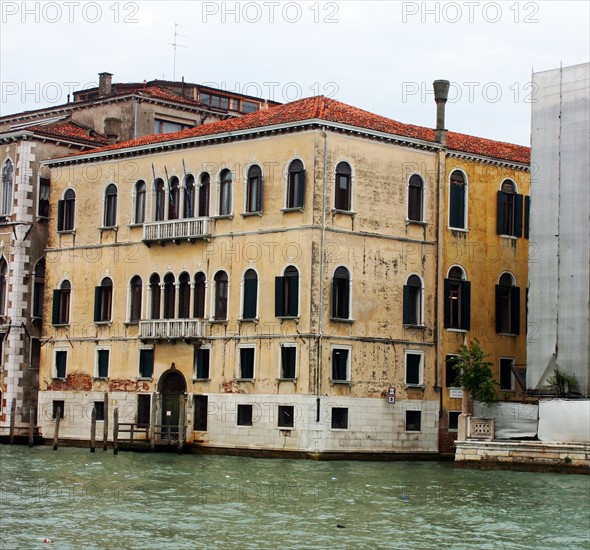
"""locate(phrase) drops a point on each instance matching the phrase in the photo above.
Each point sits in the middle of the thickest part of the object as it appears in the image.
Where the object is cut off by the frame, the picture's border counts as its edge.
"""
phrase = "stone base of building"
(524, 455)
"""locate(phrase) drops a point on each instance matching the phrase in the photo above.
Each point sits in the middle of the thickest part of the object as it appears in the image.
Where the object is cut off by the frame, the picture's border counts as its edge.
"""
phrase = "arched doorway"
(171, 386)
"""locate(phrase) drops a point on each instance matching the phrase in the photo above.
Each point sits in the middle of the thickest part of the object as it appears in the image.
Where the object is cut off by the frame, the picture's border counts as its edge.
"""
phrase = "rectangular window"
(146, 362)
(457, 304)
(201, 404)
(202, 357)
(58, 405)
(168, 126)
(249, 107)
(35, 360)
(340, 364)
(286, 416)
(506, 375)
(61, 360)
(288, 361)
(414, 366)
(413, 421)
(339, 418)
(43, 206)
(99, 406)
(451, 374)
(144, 402)
(206, 99)
(454, 420)
(247, 355)
(102, 363)
(244, 415)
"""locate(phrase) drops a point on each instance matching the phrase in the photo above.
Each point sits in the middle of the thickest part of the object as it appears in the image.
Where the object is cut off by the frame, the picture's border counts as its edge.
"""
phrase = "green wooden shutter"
(527, 214)
(334, 298)
(406, 306)
(498, 309)
(97, 303)
(447, 303)
(60, 215)
(56, 307)
(465, 305)
(518, 216)
(500, 214)
(103, 363)
(279, 296)
(293, 304)
(250, 297)
(457, 206)
(301, 197)
(259, 194)
(515, 307)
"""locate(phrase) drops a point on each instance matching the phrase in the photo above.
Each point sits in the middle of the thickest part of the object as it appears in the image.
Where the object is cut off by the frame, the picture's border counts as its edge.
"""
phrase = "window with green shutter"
(457, 200)
(202, 358)
(250, 297)
(102, 363)
(146, 363)
(247, 363)
(61, 360)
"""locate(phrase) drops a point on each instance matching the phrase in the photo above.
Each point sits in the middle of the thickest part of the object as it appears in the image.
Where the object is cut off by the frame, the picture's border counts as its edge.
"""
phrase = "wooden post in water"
(31, 425)
(93, 430)
(153, 422)
(181, 423)
(56, 432)
(115, 430)
(12, 419)
(105, 434)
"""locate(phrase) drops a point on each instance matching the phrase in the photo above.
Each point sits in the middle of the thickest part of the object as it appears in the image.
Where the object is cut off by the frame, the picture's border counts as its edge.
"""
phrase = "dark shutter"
(293, 304)
(515, 307)
(518, 216)
(259, 194)
(301, 197)
(334, 298)
(97, 303)
(498, 309)
(345, 297)
(279, 299)
(500, 215)
(250, 292)
(527, 214)
(465, 305)
(457, 206)
(56, 307)
(447, 303)
(406, 306)
(103, 363)
(60, 215)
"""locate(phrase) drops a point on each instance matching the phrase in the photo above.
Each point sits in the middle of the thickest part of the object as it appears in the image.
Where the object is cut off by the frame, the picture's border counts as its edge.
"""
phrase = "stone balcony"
(176, 230)
(171, 329)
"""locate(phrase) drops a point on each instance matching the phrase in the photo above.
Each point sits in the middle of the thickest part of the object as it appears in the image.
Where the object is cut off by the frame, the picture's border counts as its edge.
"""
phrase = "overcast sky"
(379, 56)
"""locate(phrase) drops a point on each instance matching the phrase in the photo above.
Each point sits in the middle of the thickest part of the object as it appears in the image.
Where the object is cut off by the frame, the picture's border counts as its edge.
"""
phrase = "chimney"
(104, 84)
(112, 129)
(441, 94)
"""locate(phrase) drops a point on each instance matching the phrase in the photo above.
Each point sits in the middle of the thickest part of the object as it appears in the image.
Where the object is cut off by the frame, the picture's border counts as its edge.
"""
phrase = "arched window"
(341, 294)
(457, 306)
(204, 195)
(507, 306)
(509, 219)
(173, 198)
(110, 206)
(199, 297)
(103, 301)
(415, 192)
(413, 295)
(38, 289)
(254, 189)
(458, 201)
(225, 185)
(221, 296)
(287, 293)
(66, 211)
(61, 304)
(184, 296)
(7, 185)
(250, 297)
(3, 286)
(135, 292)
(155, 296)
(295, 185)
(343, 191)
(169, 296)
(189, 196)
(140, 194)
(160, 195)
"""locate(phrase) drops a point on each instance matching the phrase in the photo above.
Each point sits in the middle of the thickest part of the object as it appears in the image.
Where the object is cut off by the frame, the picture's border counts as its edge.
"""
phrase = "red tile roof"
(330, 110)
(69, 130)
(160, 93)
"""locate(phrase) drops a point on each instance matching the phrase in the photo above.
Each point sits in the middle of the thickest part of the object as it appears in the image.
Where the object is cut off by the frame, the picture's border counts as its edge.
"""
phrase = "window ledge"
(511, 237)
(286, 379)
(294, 209)
(413, 431)
(289, 317)
(131, 323)
(251, 214)
(223, 217)
(218, 321)
(421, 387)
(244, 380)
(59, 378)
(341, 320)
(103, 323)
(343, 382)
(285, 428)
(144, 378)
(338, 429)
(41, 219)
(506, 334)
(416, 222)
(344, 212)
(61, 325)
(66, 231)
(114, 228)
(100, 378)
(419, 327)
(255, 320)
(450, 329)
(460, 229)
(134, 225)
(201, 380)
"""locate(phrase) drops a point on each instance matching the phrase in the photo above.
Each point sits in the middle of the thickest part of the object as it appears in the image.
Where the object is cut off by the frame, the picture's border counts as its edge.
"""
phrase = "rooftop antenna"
(175, 45)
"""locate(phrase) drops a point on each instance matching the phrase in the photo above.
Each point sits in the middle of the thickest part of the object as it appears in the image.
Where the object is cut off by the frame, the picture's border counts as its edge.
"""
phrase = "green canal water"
(83, 500)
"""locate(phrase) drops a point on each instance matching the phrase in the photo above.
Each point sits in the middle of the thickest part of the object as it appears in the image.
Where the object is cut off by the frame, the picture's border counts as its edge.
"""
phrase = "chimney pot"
(105, 81)
(441, 94)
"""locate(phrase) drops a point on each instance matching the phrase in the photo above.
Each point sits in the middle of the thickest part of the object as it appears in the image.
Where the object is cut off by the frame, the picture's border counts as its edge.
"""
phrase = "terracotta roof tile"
(69, 130)
(160, 93)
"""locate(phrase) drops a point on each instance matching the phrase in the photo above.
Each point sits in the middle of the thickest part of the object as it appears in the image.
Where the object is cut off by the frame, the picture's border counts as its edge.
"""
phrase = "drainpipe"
(135, 118)
(322, 272)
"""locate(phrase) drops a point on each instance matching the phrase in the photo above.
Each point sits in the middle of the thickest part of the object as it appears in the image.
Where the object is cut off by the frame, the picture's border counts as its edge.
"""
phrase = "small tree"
(474, 373)
(563, 384)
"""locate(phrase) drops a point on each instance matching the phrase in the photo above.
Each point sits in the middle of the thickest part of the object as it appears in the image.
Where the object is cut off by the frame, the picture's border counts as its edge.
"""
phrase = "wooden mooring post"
(153, 422)
(56, 431)
(93, 430)
(12, 419)
(105, 433)
(31, 425)
(115, 431)
(181, 423)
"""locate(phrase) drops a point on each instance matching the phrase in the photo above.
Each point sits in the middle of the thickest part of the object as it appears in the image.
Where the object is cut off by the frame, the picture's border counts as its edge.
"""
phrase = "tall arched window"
(61, 304)
(204, 189)
(184, 296)
(221, 295)
(169, 296)
(160, 202)
(189, 196)
(110, 206)
(103, 301)
(509, 217)
(343, 190)
(155, 296)
(341, 294)
(254, 189)
(173, 198)
(250, 296)
(38, 289)
(295, 185)
(3, 286)
(135, 292)
(199, 298)
(413, 296)
(225, 188)
(287, 293)
(457, 306)
(415, 193)
(7, 186)
(140, 195)
(66, 211)
(507, 305)
(458, 201)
